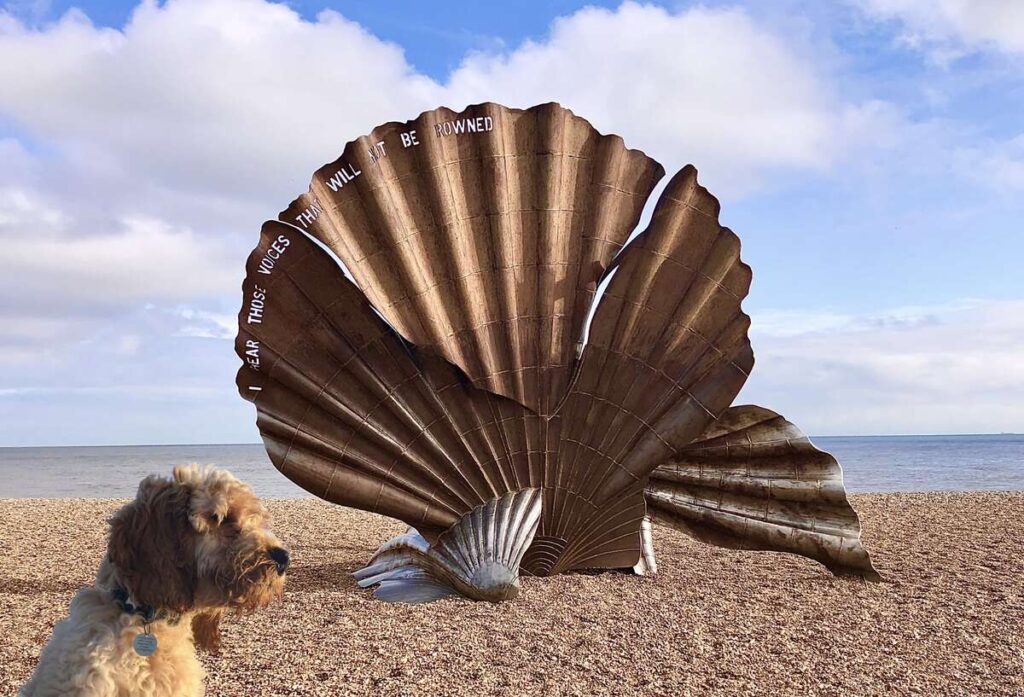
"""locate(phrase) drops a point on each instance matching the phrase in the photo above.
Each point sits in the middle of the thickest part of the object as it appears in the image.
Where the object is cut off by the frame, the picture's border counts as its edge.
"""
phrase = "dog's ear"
(206, 629)
(152, 544)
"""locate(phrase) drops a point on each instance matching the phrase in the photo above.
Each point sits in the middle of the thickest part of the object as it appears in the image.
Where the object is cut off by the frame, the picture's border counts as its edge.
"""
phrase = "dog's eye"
(213, 518)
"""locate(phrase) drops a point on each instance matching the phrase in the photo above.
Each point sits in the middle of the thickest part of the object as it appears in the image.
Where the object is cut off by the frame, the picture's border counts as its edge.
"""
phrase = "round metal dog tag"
(144, 644)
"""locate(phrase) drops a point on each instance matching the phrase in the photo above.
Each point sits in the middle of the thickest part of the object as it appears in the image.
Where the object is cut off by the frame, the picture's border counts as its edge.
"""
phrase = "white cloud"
(951, 27)
(243, 99)
(18, 163)
(998, 165)
(950, 368)
(146, 159)
(22, 208)
(141, 259)
(705, 86)
(790, 323)
(148, 156)
(64, 282)
(219, 97)
(206, 325)
(32, 11)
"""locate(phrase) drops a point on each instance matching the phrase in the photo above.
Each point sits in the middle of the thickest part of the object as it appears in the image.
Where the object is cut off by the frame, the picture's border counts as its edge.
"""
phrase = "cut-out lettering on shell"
(457, 372)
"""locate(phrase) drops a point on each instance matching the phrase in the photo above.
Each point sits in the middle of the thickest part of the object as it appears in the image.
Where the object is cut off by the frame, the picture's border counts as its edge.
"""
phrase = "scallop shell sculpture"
(455, 382)
(410, 569)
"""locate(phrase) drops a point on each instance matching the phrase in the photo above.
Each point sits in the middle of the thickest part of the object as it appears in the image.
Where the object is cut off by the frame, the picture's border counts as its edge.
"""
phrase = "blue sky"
(869, 153)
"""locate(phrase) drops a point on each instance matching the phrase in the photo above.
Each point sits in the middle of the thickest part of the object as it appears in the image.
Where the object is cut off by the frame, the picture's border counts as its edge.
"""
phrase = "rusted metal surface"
(667, 352)
(453, 373)
(752, 480)
(484, 245)
(355, 415)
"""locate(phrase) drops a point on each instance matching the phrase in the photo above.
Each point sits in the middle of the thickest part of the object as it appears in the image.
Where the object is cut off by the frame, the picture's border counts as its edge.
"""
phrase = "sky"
(869, 153)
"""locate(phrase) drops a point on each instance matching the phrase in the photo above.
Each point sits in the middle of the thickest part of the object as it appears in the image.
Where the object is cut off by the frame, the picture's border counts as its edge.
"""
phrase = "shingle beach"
(947, 620)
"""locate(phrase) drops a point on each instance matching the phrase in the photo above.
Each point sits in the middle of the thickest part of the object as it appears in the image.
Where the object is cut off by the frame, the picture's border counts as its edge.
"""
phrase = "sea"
(870, 463)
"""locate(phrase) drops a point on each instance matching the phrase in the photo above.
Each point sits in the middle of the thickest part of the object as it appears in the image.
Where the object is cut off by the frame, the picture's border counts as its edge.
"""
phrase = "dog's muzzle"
(280, 557)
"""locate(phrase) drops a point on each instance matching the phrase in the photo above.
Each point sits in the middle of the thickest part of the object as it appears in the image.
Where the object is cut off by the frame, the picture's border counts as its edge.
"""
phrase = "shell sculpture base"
(477, 558)
(647, 565)
(471, 359)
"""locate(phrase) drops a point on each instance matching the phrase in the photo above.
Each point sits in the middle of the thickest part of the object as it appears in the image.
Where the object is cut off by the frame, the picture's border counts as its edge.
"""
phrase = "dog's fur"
(191, 548)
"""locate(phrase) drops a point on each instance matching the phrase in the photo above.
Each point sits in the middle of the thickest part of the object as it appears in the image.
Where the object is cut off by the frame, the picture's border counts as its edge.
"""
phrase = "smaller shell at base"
(477, 558)
(647, 565)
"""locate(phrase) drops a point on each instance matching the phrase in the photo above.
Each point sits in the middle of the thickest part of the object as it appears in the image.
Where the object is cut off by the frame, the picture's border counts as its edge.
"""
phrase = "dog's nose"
(280, 557)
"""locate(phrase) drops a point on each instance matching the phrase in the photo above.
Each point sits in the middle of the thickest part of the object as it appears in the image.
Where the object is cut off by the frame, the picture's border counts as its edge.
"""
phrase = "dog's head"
(198, 542)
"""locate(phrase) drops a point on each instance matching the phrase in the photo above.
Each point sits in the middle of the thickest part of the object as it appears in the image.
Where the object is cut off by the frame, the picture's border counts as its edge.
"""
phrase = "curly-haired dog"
(184, 552)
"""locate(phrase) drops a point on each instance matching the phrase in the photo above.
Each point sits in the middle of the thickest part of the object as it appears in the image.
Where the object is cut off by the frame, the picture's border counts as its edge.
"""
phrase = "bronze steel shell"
(484, 247)
(477, 558)
(459, 366)
(753, 480)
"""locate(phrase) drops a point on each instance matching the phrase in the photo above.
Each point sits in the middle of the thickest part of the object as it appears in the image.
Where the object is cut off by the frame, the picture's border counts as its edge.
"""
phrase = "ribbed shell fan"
(457, 373)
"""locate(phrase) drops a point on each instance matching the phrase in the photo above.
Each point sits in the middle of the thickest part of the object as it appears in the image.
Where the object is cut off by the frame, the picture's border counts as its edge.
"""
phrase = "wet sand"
(948, 619)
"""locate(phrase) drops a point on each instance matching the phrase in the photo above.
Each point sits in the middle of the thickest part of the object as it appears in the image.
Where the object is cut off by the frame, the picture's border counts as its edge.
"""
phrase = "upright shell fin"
(481, 235)
(477, 558)
(666, 355)
(353, 414)
(752, 480)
